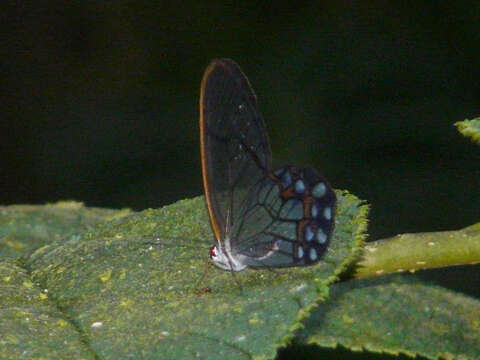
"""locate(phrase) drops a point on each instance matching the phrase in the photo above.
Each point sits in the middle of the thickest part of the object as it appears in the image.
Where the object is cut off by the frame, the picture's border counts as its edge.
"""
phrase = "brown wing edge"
(203, 152)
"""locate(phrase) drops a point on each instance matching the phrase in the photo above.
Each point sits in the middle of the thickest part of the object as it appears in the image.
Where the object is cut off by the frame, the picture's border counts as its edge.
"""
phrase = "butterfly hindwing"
(290, 219)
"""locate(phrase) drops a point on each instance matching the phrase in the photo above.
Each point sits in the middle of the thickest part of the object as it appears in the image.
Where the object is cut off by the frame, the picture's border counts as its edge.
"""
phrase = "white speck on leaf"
(300, 288)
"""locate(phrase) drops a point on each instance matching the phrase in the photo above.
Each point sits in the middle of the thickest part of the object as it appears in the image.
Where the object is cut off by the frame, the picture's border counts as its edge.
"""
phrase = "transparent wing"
(234, 145)
(287, 220)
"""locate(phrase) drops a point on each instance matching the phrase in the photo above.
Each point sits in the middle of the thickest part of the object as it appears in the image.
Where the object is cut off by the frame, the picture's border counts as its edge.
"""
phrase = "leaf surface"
(31, 326)
(129, 286)
(397, 315)
(470, 128)
(24, 228)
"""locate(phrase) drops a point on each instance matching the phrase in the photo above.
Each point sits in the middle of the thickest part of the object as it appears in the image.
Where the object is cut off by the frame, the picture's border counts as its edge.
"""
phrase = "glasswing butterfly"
(261, 218)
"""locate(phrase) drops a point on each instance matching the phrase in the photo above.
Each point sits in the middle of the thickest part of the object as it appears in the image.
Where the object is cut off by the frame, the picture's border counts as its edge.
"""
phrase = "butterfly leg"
(200, 279)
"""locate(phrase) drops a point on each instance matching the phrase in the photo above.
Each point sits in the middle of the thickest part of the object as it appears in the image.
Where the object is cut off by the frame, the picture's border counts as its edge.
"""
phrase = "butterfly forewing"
(234, 144)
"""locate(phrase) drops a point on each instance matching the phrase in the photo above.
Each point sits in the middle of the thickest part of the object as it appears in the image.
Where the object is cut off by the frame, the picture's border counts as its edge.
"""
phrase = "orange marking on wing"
(301, 230)
(307, 206)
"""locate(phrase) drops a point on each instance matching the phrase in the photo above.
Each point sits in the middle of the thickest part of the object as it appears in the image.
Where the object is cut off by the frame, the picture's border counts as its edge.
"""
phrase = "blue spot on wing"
(319, 190)
(299, 187)
(309, 233)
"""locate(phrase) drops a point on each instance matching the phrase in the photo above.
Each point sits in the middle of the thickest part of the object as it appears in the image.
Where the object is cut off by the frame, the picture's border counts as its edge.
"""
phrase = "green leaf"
(395, 314)
(470, 128)
(31, 326)
(24, 228)
(129, 287)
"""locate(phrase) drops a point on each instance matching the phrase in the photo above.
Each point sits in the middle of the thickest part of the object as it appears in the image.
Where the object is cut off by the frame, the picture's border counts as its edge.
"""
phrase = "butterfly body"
(260, 217)
(223, 257)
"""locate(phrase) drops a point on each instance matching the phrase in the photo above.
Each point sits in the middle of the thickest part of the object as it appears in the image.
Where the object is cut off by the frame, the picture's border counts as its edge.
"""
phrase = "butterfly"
(261, 218)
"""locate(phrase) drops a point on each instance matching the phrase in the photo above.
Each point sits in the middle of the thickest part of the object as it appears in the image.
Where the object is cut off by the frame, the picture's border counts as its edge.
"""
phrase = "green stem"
(412, 252)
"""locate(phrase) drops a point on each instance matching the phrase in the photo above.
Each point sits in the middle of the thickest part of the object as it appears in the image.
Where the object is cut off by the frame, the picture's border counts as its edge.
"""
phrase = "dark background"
(99, 101)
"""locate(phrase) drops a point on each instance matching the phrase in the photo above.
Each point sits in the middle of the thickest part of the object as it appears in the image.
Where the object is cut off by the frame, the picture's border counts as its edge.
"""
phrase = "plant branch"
(412, 252)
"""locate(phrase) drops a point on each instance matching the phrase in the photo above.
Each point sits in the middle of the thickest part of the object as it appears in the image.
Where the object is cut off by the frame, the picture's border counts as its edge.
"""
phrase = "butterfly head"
(224, 261)
(219, 258)
(213, 253)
